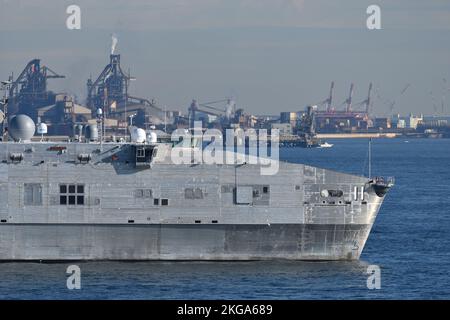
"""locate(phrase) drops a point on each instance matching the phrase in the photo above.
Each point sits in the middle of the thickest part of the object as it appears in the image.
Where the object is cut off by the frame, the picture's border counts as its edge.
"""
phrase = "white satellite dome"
(152, 137)
(42, 128)
(138, 135)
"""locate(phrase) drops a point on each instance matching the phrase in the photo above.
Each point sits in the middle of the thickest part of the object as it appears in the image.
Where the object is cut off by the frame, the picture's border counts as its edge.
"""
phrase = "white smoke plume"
(114, 43)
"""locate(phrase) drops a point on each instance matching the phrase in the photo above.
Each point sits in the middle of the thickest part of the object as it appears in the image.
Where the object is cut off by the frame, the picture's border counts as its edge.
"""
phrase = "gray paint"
(119, 219)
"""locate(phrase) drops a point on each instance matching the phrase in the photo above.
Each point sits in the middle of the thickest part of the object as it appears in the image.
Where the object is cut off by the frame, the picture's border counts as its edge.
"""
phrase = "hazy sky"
(271, 55)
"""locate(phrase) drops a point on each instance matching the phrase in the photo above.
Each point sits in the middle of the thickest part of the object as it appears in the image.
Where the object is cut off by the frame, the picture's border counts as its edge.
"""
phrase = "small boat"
(325, 145)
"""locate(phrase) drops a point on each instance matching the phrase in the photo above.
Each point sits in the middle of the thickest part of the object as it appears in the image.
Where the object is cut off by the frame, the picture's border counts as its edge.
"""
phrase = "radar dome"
(152, 137)
(21, 127)
(137, 135)
(42, 128)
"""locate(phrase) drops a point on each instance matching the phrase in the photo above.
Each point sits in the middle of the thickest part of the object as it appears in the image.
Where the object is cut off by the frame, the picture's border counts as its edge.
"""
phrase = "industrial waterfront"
(64, 115)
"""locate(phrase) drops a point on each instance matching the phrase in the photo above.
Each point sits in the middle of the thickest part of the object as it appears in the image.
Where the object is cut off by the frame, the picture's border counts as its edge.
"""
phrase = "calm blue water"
(410, 242)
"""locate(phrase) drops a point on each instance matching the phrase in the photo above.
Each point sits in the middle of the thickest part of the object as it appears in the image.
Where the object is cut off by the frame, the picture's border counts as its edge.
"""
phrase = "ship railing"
(387, 181)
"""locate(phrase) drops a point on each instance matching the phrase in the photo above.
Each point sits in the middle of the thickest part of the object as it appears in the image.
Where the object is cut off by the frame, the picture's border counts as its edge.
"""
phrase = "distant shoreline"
(356, 135)
(380, 135)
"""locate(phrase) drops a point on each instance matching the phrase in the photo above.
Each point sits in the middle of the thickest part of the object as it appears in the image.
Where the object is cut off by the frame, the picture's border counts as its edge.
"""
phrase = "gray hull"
(183, 242)
(80, 201)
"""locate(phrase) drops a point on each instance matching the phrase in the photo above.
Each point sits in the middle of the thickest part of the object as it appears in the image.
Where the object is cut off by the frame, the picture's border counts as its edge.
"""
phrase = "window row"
(73, 194)
(71, 188)
(71, 200)
(163, 202)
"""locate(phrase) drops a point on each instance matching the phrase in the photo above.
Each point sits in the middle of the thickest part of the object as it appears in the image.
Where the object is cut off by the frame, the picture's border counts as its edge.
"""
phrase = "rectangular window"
(164, 202)
(143, 193)
(71, 194)
(80, 200)
(198, 193)
(156, 202)
(189, 193)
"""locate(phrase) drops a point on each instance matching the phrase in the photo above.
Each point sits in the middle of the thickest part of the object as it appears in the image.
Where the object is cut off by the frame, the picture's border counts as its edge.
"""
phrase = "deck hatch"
(32, 194)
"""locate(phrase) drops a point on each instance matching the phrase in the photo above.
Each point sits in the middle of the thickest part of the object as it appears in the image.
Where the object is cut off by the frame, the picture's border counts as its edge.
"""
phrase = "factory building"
(285, 129)
(289, 117)
(409, 122)
(62, 115)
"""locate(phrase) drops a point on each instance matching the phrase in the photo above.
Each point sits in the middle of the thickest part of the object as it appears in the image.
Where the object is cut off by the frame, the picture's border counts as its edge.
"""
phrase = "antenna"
(100, 125)
(165, 120)
(370, 158)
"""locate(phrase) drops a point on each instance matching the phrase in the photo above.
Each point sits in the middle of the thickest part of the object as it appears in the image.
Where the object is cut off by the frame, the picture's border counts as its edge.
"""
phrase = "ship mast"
(5, 85)
(370, 158)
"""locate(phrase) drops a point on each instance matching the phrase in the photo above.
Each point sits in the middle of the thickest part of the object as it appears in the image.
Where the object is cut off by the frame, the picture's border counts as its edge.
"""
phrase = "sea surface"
(410, 242)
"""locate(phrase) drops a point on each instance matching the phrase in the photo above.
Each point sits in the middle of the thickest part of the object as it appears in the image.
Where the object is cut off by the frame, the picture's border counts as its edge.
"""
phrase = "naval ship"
(97, 200)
